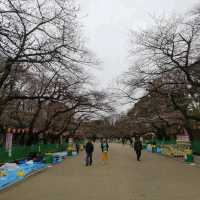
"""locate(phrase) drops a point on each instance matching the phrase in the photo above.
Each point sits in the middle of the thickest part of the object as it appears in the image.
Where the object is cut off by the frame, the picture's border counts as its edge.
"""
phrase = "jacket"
(89, 148)
(104, 147)
(138, 145)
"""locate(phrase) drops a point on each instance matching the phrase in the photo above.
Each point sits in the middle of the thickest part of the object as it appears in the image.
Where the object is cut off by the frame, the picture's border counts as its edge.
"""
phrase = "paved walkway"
(123, 178)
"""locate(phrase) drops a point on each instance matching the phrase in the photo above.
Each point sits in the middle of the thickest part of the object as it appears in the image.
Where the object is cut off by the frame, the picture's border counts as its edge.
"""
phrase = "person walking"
(77, 147)
(104, 149)
(89, 149)
(123, 141)
(131, 142)
(138, 148)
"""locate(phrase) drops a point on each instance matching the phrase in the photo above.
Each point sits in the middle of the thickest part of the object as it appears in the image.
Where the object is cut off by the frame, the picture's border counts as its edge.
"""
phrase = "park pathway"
(123, 178)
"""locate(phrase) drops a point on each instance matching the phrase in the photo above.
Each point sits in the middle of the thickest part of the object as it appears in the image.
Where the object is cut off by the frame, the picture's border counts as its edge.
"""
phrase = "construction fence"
(21, 152)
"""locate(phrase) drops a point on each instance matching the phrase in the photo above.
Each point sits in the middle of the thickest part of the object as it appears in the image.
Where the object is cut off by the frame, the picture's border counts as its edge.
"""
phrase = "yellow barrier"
(2, 173)
(21, 173)
(174, 151)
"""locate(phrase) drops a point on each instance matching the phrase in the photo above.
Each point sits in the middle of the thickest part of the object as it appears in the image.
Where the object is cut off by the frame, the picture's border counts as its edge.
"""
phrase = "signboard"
(184, 137)
(70, 140)
(9, 137)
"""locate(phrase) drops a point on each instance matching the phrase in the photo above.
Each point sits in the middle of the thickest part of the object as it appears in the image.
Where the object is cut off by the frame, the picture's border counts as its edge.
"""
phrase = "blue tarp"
(11, 174)
(27, 168)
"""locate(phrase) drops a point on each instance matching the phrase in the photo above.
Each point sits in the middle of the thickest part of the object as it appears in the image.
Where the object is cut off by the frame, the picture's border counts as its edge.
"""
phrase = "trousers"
(138, 153)
(88, 159)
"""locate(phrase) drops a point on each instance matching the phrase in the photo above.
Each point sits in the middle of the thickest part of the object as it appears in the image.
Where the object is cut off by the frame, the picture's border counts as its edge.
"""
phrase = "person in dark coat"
(138, 148)
(131, 142)
(89, 149)
(77, 147)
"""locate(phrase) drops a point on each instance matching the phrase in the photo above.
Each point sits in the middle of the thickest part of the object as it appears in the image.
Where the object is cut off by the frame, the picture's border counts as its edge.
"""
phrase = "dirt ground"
(122, 178)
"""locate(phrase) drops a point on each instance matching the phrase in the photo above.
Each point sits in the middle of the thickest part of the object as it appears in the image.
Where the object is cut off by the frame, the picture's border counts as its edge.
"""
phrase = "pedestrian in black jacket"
(138, 148)
(89, 149)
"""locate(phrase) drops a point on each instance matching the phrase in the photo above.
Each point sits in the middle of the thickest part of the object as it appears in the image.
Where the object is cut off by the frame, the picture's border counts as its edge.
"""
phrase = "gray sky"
(107, 24)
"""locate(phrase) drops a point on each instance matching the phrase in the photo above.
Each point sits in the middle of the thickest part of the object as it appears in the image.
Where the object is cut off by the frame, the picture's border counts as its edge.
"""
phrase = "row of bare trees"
(164, 78)
(43, 81)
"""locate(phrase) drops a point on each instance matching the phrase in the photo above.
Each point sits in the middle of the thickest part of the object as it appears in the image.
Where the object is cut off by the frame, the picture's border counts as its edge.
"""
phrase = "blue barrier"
(12, 173)
(12, 177)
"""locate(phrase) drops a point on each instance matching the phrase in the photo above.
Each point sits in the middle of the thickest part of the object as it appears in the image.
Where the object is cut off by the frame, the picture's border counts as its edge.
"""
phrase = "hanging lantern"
(35, 130)
(8, 130)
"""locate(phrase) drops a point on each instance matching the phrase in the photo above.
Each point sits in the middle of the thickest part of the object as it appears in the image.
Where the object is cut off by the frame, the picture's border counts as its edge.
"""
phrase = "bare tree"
(166, 67)
(43, 84)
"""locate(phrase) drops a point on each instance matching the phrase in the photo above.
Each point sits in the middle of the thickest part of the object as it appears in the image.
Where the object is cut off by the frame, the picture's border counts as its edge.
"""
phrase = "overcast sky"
(107, 24)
